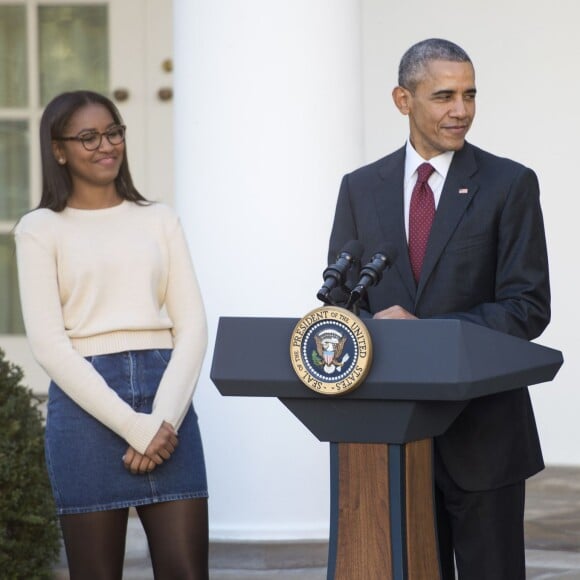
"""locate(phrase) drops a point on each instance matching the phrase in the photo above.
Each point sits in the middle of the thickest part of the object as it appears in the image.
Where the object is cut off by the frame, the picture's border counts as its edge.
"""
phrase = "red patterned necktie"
(421, 215)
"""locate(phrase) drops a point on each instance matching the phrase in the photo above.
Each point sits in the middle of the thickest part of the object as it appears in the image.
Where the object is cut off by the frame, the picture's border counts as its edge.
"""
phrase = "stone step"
(230, 560)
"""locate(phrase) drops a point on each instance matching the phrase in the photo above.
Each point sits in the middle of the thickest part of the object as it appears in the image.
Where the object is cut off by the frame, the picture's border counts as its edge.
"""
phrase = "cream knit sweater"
(105, 281)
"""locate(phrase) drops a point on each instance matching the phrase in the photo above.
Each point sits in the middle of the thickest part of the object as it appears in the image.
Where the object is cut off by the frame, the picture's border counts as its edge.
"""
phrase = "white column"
(268, 119)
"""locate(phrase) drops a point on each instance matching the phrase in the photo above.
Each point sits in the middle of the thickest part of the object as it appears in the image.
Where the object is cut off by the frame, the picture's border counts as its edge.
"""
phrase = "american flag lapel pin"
(463, 190)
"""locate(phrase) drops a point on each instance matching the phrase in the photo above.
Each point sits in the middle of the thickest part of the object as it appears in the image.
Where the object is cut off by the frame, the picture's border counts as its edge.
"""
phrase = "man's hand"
(395, 312)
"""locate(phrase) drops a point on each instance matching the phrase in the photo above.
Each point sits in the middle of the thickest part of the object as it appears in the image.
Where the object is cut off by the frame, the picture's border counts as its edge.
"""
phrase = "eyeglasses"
(91, 140)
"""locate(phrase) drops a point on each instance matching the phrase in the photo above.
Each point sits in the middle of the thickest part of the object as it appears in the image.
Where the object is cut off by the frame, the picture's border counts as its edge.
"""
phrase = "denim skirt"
(84, 458)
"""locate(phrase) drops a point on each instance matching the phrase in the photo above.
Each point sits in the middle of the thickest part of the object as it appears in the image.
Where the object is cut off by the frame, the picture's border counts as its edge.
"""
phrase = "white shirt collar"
(441, 162)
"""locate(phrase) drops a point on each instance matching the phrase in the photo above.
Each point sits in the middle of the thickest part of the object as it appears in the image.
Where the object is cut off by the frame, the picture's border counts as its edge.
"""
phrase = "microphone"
(335, 274)
(372, 273)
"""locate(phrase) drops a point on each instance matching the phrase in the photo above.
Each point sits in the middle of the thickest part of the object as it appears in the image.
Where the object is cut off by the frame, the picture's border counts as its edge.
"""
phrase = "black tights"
(177, 534)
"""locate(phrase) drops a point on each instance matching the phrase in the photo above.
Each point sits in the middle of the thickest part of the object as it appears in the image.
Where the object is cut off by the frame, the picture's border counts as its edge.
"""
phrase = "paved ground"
(553, 524)
(552, 542)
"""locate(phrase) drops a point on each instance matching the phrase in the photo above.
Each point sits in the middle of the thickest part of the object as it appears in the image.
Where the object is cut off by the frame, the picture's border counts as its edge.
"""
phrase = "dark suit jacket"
(486, 262)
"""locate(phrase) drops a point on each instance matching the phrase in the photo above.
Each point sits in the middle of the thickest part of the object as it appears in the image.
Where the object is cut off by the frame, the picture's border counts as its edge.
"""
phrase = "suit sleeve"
(521, 304)
(343, 231)
(344, 227)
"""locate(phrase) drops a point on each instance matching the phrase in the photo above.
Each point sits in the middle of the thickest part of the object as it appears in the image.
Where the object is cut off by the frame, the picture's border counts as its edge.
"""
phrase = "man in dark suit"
(485, 261)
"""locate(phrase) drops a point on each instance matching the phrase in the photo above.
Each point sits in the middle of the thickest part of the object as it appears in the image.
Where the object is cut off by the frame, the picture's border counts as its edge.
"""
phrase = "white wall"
(268, 119)
(526, 61)
(268, 116)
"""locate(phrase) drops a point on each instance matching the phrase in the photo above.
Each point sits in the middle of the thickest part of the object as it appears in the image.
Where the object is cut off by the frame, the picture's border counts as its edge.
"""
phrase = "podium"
(424, 372)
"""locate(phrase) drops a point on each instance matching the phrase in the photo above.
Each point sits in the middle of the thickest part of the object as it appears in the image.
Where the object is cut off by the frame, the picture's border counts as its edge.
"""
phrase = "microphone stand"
(350, 304)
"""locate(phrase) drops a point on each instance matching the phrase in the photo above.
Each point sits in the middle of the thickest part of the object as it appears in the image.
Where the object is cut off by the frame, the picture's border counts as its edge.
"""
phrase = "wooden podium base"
(382, 512)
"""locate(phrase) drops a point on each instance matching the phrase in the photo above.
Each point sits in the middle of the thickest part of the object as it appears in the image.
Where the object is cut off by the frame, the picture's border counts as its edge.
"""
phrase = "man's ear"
(401, 98)
(58, 153)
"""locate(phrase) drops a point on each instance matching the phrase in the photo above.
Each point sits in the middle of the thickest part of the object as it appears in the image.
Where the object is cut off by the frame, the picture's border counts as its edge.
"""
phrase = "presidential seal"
(331, 350)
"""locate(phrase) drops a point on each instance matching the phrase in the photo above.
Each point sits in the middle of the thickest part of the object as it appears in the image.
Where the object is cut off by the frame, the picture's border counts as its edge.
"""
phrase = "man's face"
(441, 108)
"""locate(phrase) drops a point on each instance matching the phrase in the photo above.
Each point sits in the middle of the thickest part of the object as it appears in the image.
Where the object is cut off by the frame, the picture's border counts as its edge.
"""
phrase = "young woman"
(114, 315)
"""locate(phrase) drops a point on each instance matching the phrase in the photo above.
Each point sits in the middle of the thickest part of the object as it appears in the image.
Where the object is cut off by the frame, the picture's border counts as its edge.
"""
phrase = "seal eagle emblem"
(329, 346)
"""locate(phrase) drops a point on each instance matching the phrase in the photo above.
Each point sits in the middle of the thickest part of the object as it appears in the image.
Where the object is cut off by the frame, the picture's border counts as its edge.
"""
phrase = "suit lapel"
(390, 210)
(458, 191)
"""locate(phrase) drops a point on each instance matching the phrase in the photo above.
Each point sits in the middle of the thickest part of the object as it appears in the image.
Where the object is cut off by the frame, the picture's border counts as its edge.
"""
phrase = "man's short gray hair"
(419, 55)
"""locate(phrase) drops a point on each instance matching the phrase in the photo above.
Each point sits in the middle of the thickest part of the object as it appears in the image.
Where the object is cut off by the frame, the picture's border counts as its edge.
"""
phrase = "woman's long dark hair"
(56, 180)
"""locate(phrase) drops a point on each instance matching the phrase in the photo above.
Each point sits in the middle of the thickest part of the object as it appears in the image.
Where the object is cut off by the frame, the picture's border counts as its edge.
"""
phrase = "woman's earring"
(61, 161)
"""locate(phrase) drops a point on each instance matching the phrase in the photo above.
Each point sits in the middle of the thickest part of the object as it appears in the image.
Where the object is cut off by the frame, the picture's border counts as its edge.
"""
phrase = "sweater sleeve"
(185, 308)
(43, 320)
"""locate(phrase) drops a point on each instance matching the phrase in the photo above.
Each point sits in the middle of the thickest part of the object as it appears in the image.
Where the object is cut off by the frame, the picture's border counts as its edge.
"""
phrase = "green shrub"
(29, 536)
